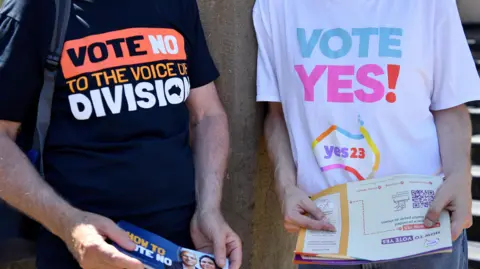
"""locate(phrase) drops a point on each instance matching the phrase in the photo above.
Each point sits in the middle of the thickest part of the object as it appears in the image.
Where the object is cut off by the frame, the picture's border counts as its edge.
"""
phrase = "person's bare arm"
(23, 188)
(294, 202)
(279, 150)
(454, 129)
(210, 143)
(454, 134)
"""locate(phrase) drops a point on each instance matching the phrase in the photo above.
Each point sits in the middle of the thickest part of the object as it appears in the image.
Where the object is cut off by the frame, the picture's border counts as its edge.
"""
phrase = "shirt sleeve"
(456, 80)
(267, 83)
(201, 68)
(23, 48)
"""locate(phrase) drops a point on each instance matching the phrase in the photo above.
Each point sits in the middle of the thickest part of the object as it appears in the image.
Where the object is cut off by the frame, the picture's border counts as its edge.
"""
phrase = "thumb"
(440, 201)
(457, 225)
(219, 249)
(311, 207)
(119, 236)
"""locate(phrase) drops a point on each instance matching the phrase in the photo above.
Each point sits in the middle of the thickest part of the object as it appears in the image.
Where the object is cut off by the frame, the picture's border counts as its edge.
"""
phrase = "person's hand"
(299, 211)
(454, 195)
(85, 237)
(211, 234)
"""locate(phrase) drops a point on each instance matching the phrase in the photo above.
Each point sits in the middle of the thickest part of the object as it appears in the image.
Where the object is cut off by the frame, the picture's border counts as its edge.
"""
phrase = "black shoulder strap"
(52, 63)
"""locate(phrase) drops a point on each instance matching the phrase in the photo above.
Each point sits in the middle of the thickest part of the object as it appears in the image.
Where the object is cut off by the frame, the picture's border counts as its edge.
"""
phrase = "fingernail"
(131, 245)
(331, 228)
(428, 223)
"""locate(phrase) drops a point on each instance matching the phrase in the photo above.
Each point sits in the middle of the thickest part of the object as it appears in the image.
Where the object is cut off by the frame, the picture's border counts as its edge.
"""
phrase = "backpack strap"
(62, 16)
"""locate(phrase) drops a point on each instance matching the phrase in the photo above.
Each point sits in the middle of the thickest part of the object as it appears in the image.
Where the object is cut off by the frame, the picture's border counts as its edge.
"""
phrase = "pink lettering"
(335, 83)
(377, 87)
(309, 81)
(366, 75)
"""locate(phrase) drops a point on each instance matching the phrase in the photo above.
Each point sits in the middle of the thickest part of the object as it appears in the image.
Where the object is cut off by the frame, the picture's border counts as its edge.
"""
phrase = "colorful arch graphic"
(363, 135)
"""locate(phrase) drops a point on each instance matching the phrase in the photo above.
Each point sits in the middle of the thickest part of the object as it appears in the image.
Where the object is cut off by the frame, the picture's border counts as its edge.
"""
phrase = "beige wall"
(273, 248)
(232, 44)
(249, 200)
(469, 10)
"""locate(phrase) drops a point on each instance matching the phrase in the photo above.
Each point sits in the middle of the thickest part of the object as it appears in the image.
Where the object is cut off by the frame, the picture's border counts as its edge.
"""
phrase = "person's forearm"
(280, 153)
(211, 149)
(454, 134)
(23, 188)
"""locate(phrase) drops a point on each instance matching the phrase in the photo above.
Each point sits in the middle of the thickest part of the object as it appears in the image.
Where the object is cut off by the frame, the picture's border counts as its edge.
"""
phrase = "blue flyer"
(156, 252)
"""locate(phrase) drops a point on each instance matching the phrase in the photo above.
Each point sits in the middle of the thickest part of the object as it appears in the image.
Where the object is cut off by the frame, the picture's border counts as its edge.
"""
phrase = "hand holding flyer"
(387, 214)
(156, 252)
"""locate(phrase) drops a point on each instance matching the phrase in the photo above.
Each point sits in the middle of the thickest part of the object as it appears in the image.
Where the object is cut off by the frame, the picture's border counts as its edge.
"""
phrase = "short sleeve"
(23, 49)
(267, 83)
(201, 68)
(456, 80)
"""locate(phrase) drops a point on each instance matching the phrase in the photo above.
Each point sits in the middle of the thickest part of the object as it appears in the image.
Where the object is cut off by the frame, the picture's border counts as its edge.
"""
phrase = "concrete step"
(476, 58)
(475, 150)
(474, 251)
(476, 189)
(473, 42)
(474, 110)
(472, 31)
(475, 154)
(475, 118)
(473, 235)
(476, 208)
(476, 139)
(476, 171)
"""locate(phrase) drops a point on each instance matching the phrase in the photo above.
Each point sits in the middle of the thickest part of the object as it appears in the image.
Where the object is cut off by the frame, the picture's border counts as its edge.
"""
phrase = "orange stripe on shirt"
(97, 52)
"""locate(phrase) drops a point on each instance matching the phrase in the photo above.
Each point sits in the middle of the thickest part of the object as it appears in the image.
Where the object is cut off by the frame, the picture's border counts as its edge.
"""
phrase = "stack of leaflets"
(156, 252)
(376, 220)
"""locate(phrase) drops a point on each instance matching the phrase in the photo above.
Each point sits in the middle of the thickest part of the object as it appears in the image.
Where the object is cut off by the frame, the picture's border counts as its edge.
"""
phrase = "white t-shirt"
(358, 81)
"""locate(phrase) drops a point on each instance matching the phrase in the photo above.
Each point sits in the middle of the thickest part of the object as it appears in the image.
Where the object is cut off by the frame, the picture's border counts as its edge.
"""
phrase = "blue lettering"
(307, 46)
(364, 36)
(343, 50)
(386, 42)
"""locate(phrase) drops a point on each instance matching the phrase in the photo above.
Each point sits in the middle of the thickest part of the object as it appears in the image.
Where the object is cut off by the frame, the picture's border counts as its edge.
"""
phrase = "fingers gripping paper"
(156, 252)
(386, 214)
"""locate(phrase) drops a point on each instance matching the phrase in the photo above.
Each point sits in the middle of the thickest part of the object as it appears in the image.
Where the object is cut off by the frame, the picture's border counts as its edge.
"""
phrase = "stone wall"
(469, 10)
(250, 203)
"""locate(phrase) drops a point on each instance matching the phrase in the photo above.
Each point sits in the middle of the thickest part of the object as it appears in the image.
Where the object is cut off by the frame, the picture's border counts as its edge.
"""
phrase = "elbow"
(270, 120)
(458, 110)
(213, 114)
(218, 118)
(222, 116)
(458, 113)
(273, 118)
(9, 130)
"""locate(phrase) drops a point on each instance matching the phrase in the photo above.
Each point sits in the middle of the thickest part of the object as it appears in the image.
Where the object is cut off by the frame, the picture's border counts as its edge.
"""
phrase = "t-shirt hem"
(11, 115)
(454, 103)
(204, 82)
(268, 98)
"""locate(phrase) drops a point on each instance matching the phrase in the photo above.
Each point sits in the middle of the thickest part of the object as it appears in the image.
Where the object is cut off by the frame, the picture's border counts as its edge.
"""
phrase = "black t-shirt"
(118, 143)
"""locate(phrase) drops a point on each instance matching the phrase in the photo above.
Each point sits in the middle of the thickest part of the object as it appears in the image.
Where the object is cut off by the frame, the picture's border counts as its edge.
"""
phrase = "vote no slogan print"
(124, 71)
